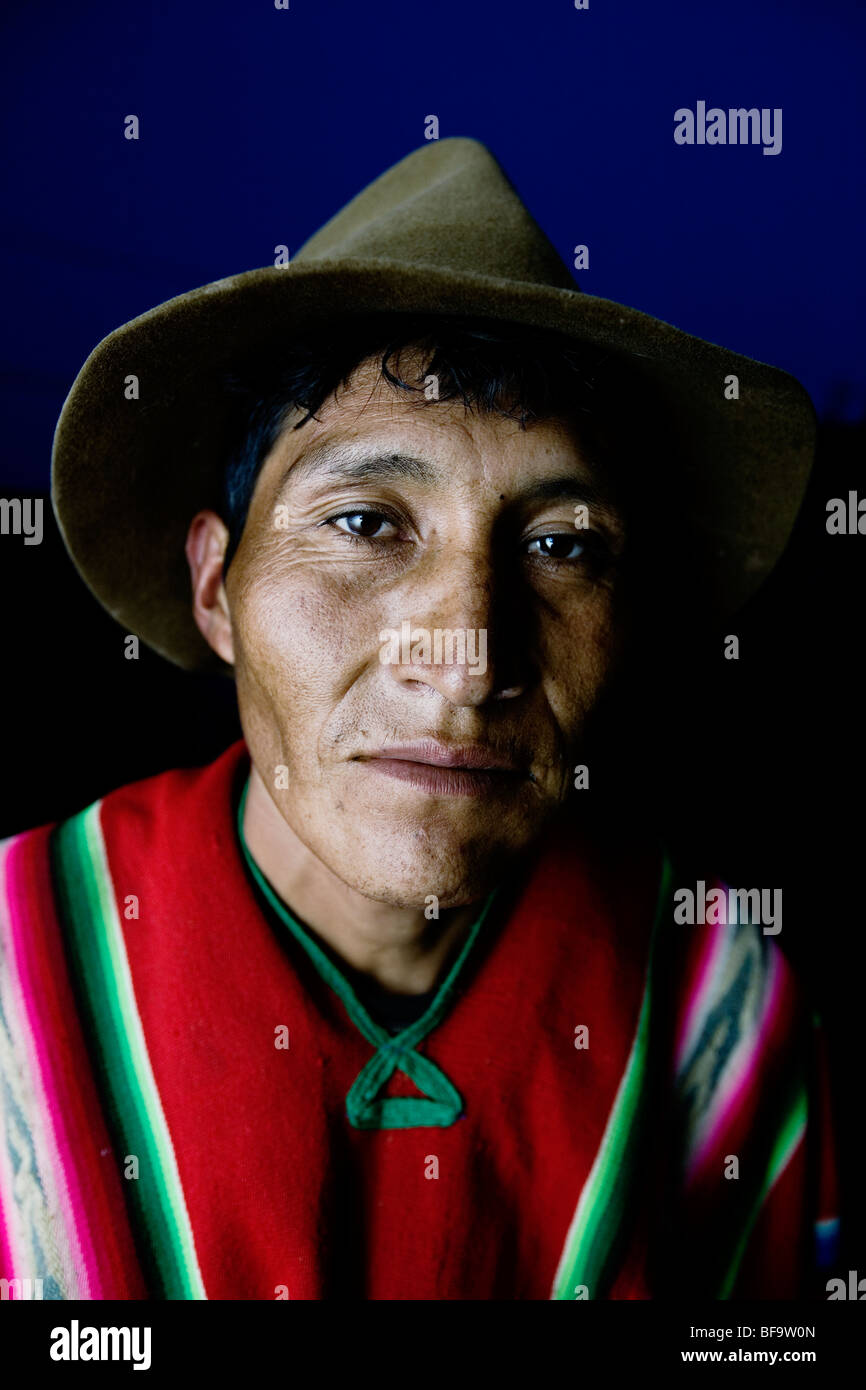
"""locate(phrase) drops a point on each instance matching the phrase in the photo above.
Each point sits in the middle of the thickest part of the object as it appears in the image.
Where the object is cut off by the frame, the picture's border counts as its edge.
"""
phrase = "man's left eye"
(557, 546)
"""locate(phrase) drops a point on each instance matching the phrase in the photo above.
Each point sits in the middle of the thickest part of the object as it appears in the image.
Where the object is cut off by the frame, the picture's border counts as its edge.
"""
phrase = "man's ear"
(206, 543)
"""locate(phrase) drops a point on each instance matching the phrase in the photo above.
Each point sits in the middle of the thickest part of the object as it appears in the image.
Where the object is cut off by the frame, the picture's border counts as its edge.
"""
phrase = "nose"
(451, 636)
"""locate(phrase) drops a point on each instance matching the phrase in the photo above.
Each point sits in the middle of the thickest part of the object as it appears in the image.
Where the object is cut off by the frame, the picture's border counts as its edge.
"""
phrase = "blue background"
(258, 124)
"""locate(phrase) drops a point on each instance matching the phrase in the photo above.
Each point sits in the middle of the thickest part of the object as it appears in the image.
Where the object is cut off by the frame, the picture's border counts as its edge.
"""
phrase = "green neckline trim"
(442, 1103)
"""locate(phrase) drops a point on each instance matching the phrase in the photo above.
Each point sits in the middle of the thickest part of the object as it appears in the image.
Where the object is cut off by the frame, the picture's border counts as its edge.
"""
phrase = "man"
(395, 999)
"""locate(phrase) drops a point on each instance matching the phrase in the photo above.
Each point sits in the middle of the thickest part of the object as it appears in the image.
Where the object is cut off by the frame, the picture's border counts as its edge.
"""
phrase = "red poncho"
(597, 1103)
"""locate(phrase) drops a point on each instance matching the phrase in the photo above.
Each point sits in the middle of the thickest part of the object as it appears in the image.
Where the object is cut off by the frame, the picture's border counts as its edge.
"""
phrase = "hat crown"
(449, 206)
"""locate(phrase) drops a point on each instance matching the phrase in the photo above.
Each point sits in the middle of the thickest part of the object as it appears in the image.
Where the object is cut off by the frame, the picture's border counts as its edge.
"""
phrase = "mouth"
(442, 770)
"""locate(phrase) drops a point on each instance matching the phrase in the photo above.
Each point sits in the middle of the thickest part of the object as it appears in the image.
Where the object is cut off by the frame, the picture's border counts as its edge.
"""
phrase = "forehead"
(372, 428)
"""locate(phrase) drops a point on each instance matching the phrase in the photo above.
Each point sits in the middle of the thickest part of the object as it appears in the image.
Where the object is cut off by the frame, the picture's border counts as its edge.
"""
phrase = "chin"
(408, 875)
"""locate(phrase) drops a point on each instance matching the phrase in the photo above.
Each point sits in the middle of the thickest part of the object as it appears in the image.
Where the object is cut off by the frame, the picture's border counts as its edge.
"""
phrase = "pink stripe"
(7, 1258)
(740, 1070)
(14, 1259)
(53, 1142)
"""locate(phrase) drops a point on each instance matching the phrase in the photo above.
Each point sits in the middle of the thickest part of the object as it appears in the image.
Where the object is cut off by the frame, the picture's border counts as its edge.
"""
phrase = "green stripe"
(104, 985)
(598, 1219)
(786, 1142)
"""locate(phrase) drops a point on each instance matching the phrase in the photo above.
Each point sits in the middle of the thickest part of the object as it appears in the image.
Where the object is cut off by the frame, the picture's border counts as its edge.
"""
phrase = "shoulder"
(149, 803)
(150, 827)
(173, 794)
(743, 1020)
(728, 939)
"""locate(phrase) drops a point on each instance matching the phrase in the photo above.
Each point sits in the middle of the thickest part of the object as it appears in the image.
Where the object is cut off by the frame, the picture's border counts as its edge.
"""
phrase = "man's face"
(388, 512)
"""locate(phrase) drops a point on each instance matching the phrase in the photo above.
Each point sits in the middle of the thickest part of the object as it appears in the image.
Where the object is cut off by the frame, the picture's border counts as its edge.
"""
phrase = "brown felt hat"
(441, 232)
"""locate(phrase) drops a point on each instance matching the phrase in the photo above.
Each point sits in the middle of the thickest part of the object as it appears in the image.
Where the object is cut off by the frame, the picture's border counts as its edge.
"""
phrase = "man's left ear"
(206, 544)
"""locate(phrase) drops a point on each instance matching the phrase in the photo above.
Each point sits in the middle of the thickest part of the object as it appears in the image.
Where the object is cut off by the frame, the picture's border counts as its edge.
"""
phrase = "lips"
(441, 770)
(428, 751)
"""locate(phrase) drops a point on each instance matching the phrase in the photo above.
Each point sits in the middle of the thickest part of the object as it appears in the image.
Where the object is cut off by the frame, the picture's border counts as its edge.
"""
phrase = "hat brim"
(128, 475)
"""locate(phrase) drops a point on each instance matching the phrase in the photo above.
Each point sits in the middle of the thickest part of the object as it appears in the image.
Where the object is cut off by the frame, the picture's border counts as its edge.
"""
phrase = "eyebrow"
(567, 488)
(333, 463)
(360, 468)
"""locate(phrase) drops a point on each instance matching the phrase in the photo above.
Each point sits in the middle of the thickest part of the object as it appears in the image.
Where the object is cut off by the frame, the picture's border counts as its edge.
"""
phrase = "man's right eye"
(364, 525)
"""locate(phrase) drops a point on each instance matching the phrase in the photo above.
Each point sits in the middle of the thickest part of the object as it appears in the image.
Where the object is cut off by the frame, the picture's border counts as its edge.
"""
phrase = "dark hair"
(522, 373)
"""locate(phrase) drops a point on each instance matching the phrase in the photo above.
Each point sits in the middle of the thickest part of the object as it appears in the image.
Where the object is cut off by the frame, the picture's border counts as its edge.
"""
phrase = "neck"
(396, 946)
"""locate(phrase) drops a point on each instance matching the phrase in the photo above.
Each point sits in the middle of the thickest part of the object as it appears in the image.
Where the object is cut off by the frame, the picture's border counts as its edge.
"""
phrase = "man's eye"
(362, 525)
(557, 546)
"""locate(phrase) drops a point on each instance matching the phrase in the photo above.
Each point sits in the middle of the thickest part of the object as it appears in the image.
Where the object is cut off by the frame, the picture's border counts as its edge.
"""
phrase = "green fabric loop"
(441, 1103)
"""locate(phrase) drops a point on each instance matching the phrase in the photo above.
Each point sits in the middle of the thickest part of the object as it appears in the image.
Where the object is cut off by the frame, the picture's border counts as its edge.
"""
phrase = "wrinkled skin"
(456, 540)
